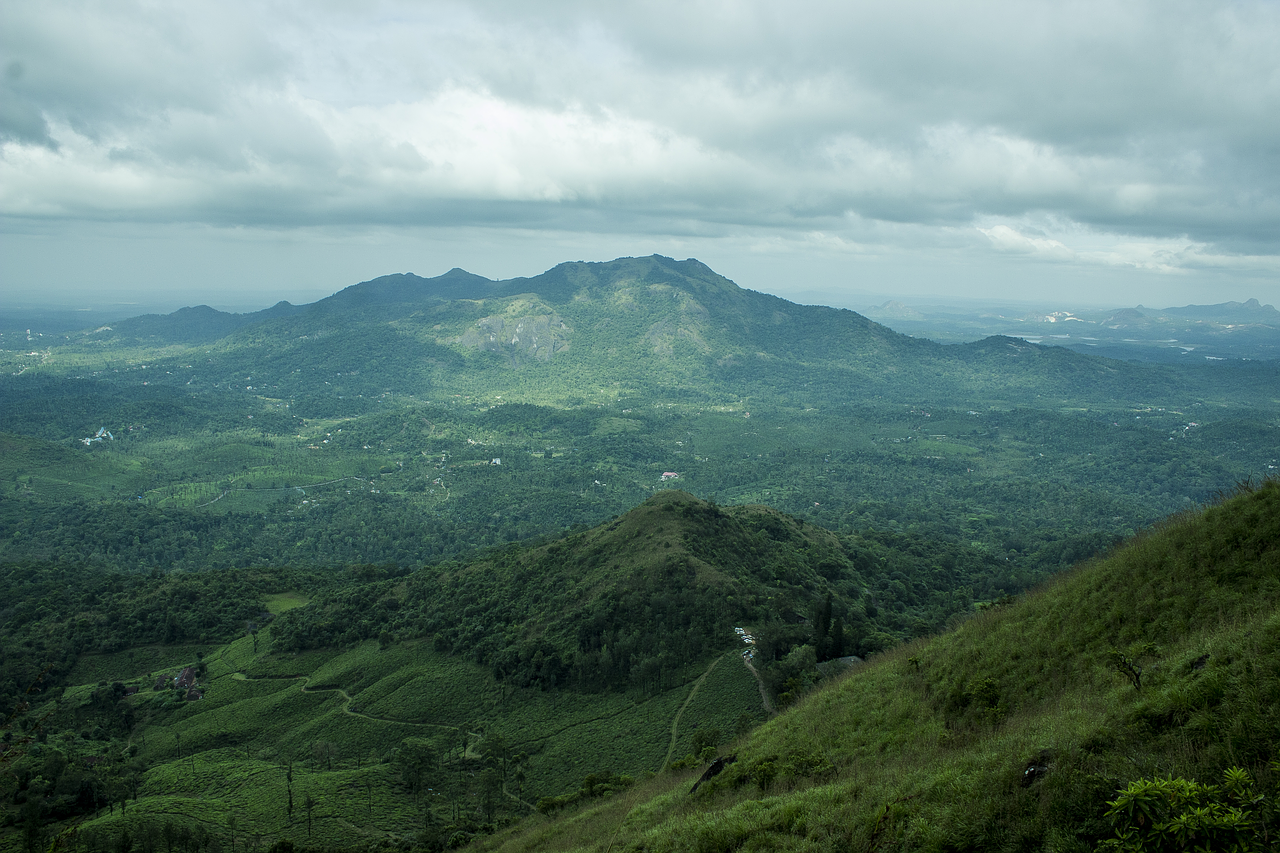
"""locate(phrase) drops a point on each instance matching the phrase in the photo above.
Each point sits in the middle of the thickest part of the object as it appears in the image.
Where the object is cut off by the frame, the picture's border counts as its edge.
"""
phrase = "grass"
(284, 601)
(923, 748)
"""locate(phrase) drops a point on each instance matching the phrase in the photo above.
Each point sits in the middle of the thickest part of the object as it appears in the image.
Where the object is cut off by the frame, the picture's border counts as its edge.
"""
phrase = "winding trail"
(675, 723)
(764, 694)
(530, 806)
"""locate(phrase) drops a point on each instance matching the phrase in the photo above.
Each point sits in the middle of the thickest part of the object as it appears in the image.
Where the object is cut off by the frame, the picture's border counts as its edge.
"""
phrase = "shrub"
(1171, 814)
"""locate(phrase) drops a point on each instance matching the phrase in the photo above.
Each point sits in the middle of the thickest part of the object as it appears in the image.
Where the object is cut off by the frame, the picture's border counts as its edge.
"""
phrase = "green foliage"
(594, 786)
(351, 447)
(1159, 815)
(1130, 664)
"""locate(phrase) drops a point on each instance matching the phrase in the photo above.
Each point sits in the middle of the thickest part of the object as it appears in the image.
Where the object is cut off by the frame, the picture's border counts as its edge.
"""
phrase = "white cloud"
(885, 127)
(1005, 239)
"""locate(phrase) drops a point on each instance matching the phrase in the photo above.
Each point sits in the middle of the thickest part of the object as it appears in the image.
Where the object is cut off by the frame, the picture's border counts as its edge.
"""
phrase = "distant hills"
(1227, 331)
(1247, 312)
(390, 400)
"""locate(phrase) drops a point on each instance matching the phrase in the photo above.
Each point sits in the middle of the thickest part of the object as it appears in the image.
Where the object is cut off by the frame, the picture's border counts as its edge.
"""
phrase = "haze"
(236, 153)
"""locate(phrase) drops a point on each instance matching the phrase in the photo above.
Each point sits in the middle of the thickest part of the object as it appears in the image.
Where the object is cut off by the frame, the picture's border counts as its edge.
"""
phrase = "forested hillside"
(1014, 730)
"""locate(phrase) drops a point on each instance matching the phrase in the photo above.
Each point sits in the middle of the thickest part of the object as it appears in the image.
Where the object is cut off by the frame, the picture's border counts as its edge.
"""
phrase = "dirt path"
(764, 694)
(530, 806)
(675, 724)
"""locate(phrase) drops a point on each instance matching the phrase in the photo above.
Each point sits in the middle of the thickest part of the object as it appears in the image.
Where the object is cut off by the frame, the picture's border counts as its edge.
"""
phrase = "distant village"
(99, 436)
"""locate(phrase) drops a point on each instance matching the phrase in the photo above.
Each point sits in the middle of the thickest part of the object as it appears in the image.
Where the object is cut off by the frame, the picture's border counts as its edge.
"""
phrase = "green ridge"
(927, 747)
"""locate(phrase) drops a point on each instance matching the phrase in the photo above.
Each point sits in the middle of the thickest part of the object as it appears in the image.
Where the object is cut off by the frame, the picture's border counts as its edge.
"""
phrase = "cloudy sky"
(237, 153)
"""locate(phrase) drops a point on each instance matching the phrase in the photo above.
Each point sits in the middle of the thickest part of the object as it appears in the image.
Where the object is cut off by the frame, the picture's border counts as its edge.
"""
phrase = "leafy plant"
(1172, 815)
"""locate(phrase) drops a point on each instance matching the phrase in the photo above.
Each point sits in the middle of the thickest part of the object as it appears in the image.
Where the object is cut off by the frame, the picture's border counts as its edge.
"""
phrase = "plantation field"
(335, 721)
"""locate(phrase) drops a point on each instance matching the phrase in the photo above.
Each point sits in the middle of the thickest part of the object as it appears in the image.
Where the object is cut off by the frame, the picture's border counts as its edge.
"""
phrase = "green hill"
(1014, 730)
(590, 332)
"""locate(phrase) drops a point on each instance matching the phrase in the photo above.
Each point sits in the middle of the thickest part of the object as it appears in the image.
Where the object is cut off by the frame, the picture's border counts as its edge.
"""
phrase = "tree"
(490, 791)
(704, 740)
(495, 751)
(324, 751)
(1130, 664)
(308, 804)
(415, 760)
(822, 629)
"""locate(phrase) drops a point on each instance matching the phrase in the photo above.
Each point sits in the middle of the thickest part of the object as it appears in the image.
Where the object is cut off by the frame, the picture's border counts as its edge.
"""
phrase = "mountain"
(1126, 317)
(409, 420)
(197, 325)
(1247, 312)
(660, 587)
(634, 325)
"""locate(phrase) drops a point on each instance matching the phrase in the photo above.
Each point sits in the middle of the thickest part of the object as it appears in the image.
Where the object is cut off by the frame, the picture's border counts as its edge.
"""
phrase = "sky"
(238, 153)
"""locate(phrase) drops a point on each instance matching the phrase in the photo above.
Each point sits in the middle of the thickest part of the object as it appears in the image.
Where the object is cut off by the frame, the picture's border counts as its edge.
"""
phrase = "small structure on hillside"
(186, 679)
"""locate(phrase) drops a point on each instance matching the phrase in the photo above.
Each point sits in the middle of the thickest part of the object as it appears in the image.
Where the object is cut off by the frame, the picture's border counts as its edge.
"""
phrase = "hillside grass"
(926, 748)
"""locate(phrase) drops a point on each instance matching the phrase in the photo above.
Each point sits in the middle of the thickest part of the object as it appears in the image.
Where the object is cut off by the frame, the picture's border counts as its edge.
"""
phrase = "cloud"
(1005, 239)
(1142, 124)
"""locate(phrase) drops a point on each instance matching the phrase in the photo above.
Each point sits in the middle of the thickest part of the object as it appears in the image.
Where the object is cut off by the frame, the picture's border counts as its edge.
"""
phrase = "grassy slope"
(926, 747)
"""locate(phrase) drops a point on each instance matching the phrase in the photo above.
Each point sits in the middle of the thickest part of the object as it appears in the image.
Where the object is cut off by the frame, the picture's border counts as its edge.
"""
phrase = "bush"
(1179, 814)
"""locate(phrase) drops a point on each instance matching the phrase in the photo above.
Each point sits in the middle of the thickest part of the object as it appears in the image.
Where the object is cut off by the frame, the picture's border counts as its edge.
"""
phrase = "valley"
(461, 561)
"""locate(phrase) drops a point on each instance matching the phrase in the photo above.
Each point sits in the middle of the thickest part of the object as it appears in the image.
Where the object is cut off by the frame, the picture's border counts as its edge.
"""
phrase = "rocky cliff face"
(537, 336)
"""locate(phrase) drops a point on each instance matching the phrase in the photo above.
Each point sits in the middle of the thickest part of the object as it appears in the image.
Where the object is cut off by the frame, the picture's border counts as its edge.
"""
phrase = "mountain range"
(1229, 331)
